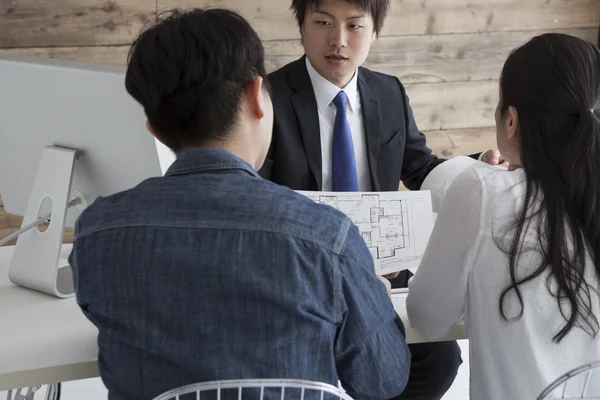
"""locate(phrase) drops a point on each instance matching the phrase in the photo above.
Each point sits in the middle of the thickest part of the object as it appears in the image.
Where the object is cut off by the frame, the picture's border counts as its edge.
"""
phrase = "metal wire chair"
(562, 382)
(52, 393)
(259, 389)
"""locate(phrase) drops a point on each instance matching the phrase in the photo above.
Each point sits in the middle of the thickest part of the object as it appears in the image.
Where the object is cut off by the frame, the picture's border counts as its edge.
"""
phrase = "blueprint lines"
(394, 225)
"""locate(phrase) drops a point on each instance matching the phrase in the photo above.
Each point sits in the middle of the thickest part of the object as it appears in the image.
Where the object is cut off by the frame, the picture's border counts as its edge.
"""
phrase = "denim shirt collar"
(208, 159)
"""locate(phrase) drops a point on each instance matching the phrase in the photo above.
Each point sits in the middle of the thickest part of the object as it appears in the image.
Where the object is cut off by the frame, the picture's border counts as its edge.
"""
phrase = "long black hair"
(553, 82)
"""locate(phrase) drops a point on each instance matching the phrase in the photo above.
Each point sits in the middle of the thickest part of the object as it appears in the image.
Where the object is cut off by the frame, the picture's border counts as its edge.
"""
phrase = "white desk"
(46, 340)
(42, 339)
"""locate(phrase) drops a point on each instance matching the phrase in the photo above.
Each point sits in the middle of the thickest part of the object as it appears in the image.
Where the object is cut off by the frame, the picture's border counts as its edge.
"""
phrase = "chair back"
(256, 389)
(575, 384)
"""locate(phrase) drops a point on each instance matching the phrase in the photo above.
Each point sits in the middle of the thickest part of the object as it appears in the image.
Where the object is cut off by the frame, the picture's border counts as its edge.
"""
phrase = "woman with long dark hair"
(517, 252)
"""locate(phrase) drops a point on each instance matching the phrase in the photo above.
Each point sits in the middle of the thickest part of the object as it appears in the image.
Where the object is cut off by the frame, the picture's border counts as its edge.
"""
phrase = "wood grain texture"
(115, 55)
(469, 141)
(9, 220)
(273, 19)
(37, 23)
(413, 59)
(462, 16)
(8, 223)
(4, 232)
(456, 57)
(461, 142)
(454, 105)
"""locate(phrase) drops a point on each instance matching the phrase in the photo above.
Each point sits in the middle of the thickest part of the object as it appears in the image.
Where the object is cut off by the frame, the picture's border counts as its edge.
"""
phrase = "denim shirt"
(212, 272)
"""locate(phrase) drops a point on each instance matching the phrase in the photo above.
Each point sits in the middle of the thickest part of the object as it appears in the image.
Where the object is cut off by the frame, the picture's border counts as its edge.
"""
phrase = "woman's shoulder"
(499, 179)
(490, 177)
(489, 183)
(502, 191)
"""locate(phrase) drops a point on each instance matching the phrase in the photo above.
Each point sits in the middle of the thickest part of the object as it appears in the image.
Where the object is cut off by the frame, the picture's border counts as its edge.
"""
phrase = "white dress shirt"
(325, 92)
(463, 272)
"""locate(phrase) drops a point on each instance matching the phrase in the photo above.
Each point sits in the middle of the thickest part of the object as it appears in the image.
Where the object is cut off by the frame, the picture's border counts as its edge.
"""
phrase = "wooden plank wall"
(448, 53)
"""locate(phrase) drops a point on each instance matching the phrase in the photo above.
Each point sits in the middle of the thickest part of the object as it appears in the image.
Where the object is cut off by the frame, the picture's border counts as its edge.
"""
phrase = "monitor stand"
(36, 260)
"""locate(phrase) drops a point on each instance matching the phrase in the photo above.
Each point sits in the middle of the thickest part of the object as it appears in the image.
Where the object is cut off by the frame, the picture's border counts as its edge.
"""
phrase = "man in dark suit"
(341, 127)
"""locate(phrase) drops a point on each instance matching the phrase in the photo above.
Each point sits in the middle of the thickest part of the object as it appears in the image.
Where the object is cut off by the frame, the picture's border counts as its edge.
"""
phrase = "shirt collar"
(326, 91)
(208, 159)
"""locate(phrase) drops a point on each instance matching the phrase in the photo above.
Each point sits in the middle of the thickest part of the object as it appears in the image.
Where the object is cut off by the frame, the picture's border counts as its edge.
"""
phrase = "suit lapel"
(372, 121)
(305, 106)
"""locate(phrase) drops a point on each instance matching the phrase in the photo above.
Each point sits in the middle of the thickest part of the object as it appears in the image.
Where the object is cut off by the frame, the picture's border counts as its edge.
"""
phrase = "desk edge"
(48, 375)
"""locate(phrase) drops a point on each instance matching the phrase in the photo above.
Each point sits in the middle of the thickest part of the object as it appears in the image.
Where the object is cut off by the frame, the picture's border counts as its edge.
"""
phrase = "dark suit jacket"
(396, 150)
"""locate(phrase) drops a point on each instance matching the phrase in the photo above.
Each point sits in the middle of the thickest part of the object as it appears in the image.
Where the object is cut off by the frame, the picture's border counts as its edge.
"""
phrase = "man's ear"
(151, 129)
(512, 123)
(256, 97)
(153, 132)
(373, 37)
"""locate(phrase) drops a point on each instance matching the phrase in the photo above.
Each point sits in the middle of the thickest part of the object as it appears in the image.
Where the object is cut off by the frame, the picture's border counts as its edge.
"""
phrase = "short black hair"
(377, 8)
(189, 71)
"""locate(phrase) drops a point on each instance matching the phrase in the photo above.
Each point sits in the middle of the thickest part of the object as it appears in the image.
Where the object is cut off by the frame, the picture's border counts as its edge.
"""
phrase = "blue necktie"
(343, 164)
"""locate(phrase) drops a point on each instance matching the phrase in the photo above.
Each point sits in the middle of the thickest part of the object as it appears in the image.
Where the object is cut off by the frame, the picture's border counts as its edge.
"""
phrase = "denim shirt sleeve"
(72, 263)
(79, 292)
(372, 356)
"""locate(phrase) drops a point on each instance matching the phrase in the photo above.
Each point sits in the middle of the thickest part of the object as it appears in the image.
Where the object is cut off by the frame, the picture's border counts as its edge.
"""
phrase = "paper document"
(395, 225)
(440, 178)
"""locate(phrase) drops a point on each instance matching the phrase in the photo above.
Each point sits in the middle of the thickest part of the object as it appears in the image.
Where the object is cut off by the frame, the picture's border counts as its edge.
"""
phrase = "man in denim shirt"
(211, 272)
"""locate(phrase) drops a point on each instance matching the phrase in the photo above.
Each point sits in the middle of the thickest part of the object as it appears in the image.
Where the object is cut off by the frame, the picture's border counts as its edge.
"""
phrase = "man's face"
(337, 37)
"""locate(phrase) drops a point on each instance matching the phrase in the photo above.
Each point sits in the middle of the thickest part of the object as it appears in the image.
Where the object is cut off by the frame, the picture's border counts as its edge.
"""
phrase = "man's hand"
(493, 157)
(388, 285)
(392, 275)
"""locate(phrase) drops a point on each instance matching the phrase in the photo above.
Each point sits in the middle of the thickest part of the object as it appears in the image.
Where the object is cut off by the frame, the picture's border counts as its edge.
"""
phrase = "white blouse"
(463, 273)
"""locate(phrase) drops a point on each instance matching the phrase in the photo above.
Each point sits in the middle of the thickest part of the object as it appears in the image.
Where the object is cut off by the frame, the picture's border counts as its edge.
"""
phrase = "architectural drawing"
(386, 223)
(383, 225)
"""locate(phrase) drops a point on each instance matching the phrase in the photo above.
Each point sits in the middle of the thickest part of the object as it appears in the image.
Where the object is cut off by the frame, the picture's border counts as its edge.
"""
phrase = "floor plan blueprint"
(394, 225)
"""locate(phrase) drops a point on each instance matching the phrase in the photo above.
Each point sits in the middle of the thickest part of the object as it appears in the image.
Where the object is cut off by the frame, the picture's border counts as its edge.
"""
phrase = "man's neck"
(344, 82)
(340, 83)
(239, 150)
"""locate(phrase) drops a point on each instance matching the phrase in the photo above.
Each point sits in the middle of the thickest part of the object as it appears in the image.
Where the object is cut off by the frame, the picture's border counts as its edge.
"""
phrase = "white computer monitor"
(67, 129)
